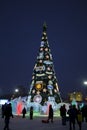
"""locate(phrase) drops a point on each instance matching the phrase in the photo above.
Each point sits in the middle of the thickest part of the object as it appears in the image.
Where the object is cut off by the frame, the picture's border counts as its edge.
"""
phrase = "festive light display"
(44, 82)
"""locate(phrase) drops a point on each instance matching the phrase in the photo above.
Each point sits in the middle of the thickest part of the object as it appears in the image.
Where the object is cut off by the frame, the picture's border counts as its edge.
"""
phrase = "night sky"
(21, 25)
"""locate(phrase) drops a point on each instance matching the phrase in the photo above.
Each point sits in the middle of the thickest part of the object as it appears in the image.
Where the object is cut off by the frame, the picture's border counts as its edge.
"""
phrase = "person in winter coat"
(7, 115)
(50, 115)
(79, 119)
(24, 112)
(31, 113)
(63, 114)
(72, 112)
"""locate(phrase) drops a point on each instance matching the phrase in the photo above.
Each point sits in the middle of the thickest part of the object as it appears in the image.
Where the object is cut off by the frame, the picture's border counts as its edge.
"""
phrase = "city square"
(18, 123)
(46, 90)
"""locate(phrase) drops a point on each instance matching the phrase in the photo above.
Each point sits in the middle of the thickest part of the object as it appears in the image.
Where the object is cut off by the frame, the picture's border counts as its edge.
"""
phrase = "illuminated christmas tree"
(44, 85)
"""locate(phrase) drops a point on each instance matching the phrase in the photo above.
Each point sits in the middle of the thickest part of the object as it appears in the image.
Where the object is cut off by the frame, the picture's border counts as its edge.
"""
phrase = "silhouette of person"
(63, 114)
(7, 114)
(50, 114)
(84, 113)
(10, 108)
(79, 119)
(72, 116)
(3, 107)
(31, 113)
(24, 112)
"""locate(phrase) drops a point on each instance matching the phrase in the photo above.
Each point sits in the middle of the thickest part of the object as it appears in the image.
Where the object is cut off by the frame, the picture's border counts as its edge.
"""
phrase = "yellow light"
(38, 86)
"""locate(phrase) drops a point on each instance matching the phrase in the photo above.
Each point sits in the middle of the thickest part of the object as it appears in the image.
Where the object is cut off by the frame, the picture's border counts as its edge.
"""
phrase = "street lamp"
(16, 90)
(85, 82)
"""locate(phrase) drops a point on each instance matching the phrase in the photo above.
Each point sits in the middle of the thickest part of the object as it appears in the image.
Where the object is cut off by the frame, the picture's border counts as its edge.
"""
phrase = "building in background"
(76, 95)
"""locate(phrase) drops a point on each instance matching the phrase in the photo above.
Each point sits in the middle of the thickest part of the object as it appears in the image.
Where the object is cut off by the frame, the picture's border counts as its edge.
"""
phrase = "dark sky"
(20, 36)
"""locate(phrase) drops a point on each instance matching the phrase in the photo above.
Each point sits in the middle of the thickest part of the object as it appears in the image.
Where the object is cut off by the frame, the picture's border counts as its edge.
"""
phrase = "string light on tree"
(33, 91)
(44, 90)
(44, 82)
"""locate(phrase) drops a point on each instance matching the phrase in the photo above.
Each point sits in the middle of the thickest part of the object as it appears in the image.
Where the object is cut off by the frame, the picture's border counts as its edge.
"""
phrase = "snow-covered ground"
(19, 123)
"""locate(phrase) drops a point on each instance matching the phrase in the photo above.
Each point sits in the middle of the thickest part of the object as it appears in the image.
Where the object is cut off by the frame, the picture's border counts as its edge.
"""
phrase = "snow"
(19, 123)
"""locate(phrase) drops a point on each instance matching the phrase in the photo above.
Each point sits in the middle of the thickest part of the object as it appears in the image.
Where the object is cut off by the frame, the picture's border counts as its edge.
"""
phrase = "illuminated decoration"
(39, 75)
(47, 43)
(44, 90)
(31, 87)
(42, 43)
(44, 33)
(33, 91)
(19, 108)
(3, 101)
(50, 87)
(40, 61)
(36, 104)
(47, 56)
(32, 77)
(42, 38)
(32, 83)
(48, 62)
(39, 85)
(50, 92)
(49, 72)
(50, 56)
(74, 102)
(40, 56)
(46, 37)
(50, 76)
(40, 68)
(41, 49)
(48, 68)
(55, 90)
(44, 81)
(50, 82)
(46, 49)
(38, 92)
(37, 98)
(57, 87)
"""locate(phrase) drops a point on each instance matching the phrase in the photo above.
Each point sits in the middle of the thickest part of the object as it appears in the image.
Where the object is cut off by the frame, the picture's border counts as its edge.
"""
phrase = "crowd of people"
(75, 115)
(6, 114)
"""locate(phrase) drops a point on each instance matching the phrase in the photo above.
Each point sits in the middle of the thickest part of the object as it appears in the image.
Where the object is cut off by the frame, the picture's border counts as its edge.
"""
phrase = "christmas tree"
(44, 85)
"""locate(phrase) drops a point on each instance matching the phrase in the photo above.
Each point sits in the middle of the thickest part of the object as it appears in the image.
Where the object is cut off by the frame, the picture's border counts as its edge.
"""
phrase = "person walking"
(50, 114)
(72, 112)
(31, 113)
(24, 112)
(63, 114)
(79, 119)
(3, 109)
(7, 114)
